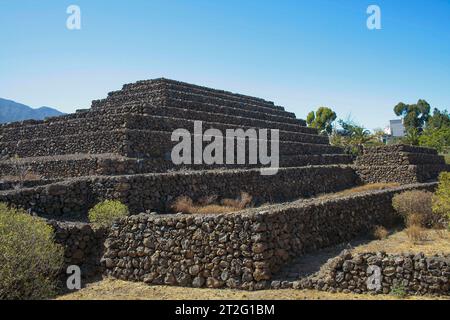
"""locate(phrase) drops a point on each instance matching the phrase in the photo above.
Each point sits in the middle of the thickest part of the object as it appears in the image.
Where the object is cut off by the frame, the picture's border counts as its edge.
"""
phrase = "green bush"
(415, 207)
(441, 199)
(30, 260)
(104, 213)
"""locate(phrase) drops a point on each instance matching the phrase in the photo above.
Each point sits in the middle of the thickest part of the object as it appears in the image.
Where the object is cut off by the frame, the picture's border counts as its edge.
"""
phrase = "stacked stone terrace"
(124, 141)
(400, 163)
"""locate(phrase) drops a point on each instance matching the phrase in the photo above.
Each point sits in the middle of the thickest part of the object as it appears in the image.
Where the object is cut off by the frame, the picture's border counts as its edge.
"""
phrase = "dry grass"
(399, 242)
(363, 188)
(380, 233)
(369, 187)
(414, 219)
(110, 289)
(209, 205)
(415, 207)
(416, 234)
(441, 233)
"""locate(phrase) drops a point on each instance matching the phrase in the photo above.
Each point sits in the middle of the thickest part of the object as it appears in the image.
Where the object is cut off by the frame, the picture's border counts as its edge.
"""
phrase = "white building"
(396, 129)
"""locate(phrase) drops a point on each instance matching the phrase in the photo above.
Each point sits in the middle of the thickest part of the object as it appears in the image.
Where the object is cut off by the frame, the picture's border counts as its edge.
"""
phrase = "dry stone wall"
(399, 163)
(83, 245)
(157, 191)
(109, 164)
(411, 274)
(239, 250)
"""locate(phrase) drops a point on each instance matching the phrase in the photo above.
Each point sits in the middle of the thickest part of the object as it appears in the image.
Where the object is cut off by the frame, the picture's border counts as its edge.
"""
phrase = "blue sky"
(299, 54)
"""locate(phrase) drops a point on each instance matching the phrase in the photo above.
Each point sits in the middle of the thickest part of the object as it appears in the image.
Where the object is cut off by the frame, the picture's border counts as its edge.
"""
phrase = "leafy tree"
(439, 119)
(441, 199)
(414, 115)
(412, 137)
(352, 137)
(436, 138)
(322, 119)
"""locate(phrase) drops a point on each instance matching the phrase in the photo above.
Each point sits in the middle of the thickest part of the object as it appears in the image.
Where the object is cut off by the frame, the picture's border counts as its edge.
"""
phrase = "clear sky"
(300, 54)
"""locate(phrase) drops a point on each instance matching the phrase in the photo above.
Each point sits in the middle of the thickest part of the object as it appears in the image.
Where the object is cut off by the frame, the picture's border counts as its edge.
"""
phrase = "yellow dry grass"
(432, 242)
(209, 206)
(110, 289)
(367, 187)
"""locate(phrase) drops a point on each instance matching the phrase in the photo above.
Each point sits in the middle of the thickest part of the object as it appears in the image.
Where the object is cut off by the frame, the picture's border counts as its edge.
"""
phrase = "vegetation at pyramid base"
(30, 260)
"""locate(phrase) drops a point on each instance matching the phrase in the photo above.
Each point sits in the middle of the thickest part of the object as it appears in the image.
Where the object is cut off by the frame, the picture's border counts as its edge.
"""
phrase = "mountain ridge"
(12, 111)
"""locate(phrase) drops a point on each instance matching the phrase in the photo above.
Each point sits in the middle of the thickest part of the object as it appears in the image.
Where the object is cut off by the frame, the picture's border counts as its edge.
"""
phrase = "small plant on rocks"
(105, 213)
(398, 290)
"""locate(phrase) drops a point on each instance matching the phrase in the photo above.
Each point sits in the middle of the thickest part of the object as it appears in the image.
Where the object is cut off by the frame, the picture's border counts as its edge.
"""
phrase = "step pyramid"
(400, 163)
(127, 136)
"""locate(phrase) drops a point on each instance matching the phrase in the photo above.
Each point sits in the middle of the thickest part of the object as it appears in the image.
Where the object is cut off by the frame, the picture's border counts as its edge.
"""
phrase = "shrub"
(241, 203)
(30, 260)
(183, 204)
(415, 203)
(104, 213)
(414, 220)
(207, 205)
(441, 199)
(380, 233)
(416, 234)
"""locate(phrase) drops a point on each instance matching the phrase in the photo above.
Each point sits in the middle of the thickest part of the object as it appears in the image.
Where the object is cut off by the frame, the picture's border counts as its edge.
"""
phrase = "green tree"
(414, 115)
(436, 138)
(412, 137)
(322, 119)
(439, 119)
(441, 199)
(352, 137)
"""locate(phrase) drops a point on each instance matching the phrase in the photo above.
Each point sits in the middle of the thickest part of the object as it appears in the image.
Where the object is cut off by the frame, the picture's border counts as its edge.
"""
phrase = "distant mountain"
(11, 111)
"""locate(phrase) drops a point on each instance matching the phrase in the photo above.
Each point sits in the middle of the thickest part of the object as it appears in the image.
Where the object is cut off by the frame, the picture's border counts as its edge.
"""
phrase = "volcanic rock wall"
(240, 250)
(399, 163)
(157, 191)
(412, 274)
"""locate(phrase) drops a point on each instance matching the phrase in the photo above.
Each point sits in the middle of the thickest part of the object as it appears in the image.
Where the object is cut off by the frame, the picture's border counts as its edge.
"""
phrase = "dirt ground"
(110, 289)
(397, 242)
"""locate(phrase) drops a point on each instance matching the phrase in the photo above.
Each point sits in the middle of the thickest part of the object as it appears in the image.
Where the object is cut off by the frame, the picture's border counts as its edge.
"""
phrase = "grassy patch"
(433, 242)
(210, 205)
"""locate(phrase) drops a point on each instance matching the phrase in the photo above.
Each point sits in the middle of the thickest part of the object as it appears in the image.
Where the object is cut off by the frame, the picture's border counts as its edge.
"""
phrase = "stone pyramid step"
(157, 191)
(163, 83)
(103, 121)
(132, 143)
(161, 94)
(77, 165)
